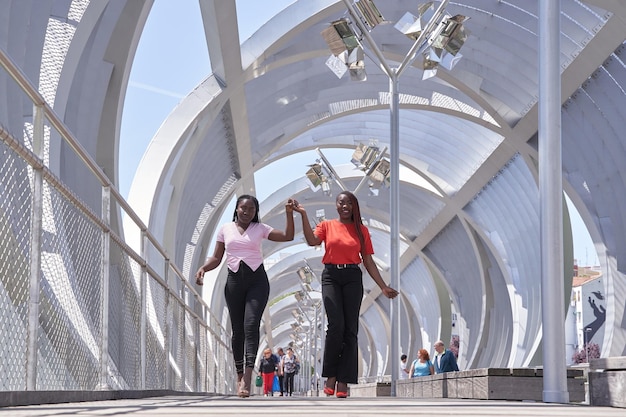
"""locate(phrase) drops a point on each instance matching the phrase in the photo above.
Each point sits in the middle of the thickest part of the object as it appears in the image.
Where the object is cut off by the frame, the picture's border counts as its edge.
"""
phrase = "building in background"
(587, 311)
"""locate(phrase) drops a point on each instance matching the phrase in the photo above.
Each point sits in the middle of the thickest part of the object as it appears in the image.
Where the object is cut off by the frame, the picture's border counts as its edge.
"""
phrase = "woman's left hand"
(390, 292)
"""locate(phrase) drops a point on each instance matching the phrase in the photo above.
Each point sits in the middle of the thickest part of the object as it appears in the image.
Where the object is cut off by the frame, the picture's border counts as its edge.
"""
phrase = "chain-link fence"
(79, 308)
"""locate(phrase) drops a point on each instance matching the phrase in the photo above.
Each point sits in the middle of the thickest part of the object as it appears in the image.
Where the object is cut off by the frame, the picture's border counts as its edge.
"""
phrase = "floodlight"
(318, 177)
(337, 65)
(305, 274)
(369, 13)
(449, 61)
(356, 65)
(365, 155)
(358, 154)
(430, 63)
(450, 35)
(326, 188)
(380, 174)
(412, 26)
(314, 175)
(340, 37)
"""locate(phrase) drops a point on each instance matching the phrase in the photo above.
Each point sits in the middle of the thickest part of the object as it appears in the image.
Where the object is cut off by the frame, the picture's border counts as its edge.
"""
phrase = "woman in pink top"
(347, 243)
(247, 288)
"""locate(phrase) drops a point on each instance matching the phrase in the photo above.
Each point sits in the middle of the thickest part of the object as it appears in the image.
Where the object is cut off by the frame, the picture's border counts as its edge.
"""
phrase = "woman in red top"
(347, 243)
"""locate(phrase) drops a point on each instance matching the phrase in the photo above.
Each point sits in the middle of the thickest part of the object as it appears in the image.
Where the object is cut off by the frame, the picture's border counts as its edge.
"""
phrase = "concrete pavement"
(307, 407)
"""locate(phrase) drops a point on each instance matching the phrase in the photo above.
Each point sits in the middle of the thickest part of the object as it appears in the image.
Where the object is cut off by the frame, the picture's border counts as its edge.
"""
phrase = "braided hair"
(356, 216)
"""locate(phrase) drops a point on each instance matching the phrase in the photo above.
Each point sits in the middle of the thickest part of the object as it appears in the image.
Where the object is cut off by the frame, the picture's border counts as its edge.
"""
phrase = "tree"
(454, 345)
(593, 352)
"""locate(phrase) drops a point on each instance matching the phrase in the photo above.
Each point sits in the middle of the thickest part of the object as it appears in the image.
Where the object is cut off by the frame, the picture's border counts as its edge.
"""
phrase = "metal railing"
(80, 309)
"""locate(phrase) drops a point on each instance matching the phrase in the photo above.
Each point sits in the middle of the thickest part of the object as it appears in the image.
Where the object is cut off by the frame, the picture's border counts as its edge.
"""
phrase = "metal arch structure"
(470, 238)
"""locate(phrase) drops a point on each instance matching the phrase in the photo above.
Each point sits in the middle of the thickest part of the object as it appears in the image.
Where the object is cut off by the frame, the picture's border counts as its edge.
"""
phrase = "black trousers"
(246, 295)
(342, 292)
(288, 383)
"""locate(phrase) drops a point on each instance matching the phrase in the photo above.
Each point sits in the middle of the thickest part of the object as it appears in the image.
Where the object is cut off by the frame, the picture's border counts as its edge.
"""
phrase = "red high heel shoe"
(342, 390)
(329, 391)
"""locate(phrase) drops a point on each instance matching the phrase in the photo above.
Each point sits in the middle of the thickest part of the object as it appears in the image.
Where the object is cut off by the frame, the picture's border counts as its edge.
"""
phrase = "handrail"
(199, 311)
(22, 80)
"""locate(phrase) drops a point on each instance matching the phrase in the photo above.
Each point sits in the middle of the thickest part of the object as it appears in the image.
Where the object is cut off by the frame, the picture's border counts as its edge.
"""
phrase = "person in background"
(267, 369)
(247, 287)
(290, 364)
(281, 374)
(404, 369)
(445, 361)
(347, 243)
(422, 366)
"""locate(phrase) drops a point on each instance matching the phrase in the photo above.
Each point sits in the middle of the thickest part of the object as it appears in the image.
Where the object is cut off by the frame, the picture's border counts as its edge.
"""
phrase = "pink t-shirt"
(243, 247)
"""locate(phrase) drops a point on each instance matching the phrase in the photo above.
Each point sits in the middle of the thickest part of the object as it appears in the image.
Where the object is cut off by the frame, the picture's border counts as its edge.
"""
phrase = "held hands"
(297, 207)
(289, 205)
(389, 292)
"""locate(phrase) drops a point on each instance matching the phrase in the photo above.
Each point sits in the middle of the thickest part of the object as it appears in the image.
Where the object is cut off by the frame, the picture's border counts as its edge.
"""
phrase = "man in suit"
(444, 360)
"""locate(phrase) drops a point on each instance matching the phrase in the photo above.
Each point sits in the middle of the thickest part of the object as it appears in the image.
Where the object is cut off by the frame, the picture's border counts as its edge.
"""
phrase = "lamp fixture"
(345, 44)
(442, 44)
(412, 26)
(369, 13)
(340, 37)
(431, 26)
(365, 155)
(356, 65)
(305, 274)
(380, 174)
(450, 35)
(319, 177)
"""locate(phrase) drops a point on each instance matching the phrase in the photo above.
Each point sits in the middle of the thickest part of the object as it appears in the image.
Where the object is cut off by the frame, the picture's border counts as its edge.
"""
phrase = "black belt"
(342, 266)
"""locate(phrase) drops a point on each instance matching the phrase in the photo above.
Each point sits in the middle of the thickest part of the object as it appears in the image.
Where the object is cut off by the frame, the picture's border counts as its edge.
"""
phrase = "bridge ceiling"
(468, 180)
(469, 200)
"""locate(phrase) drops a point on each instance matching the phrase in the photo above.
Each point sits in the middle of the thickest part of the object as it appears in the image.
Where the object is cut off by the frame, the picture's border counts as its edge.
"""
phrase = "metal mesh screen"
(156, 358)
(190, 351)
(178, 347)
(93, 314)
(124, 319)
(69, 297)
(14, 268)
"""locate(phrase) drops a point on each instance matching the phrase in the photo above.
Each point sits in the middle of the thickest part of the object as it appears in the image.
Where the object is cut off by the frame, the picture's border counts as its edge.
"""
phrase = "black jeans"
(288, 383)
(342, 292)
(246, 295)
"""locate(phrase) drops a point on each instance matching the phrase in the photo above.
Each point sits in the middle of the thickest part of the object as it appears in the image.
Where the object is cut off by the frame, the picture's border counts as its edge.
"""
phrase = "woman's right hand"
(297, 206)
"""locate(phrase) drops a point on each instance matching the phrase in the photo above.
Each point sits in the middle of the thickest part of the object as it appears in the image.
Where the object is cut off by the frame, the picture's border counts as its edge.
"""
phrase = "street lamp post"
(586, 340)
(394, 150)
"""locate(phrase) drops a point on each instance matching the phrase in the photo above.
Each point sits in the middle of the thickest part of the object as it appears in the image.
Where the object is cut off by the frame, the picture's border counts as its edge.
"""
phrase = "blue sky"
(172, 59)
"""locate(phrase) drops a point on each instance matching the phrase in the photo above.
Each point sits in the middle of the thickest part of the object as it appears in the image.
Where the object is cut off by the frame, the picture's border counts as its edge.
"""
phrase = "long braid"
(356, 217)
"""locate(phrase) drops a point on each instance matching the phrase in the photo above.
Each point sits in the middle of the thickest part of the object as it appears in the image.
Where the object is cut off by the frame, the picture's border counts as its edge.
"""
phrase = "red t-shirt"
(341, 242)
